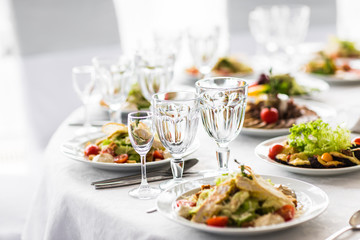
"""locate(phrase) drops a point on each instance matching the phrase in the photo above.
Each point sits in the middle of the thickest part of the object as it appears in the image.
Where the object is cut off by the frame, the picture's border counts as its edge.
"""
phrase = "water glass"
(83, 78)
(222, 110)
(176, 118)
(115, 76)
(154, 72)
(203, 43)
(141, 134)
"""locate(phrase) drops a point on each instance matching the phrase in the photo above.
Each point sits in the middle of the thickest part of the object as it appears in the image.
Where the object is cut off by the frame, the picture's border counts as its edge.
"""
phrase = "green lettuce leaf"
(318, 137)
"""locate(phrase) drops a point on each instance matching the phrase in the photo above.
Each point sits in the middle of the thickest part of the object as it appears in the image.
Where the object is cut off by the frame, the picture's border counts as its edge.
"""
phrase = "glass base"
(170, 183)
(213, 173)
(146, 192)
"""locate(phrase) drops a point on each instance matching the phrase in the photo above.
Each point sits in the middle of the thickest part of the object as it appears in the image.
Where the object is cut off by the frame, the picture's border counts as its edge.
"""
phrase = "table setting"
(223, 148)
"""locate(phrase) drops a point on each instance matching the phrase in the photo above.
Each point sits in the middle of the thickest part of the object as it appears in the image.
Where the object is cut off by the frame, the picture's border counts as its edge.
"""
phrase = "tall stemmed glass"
(115, 76)
(83, 78)
(141, 133)
(222, 109)
(203, 43)
(176, 116)
(154, 72)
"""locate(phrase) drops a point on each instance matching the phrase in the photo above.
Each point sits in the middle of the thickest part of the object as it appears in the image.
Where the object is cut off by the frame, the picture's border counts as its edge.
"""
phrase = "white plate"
(262, 151)
(343, 78)
(312, 198)
(325, 112)
(74, 149)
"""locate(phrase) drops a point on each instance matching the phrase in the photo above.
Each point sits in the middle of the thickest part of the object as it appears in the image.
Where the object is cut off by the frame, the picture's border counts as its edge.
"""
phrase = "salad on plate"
(239, 200)
(339, 60)
(116, 147)
(317, 145)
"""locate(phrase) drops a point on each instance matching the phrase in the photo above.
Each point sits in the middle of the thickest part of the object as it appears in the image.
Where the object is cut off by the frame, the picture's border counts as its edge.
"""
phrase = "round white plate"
(343, 78)
(313, 199)
(262, 151)
(74, 149)
(325, 112)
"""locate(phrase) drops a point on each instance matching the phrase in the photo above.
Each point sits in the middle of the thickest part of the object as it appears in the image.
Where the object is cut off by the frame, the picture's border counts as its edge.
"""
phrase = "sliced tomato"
(275, 150)
(220, 221)
(357, 141)
(158, 154)
(121, 158)
(185, 202)
(92, 150)
(287, 212)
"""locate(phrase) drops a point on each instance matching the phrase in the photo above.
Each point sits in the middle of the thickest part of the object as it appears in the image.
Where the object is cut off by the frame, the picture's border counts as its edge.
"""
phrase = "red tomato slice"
(275, 150)
(287, 212)
(220, 221)
(357, 141)
(158, 154)
(92, 150)
(121, 158)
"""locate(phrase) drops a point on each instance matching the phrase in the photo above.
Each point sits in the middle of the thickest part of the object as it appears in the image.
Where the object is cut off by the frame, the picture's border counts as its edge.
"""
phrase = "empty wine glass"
(203, 43)
(83, 78)
(222, 109)
(279, 27)
(154, 72)
(141, 133)
(114, 75)
(176, 117)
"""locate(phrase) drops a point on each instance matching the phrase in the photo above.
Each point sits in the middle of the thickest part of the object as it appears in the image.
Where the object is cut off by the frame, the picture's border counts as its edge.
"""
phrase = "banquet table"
(68, 207)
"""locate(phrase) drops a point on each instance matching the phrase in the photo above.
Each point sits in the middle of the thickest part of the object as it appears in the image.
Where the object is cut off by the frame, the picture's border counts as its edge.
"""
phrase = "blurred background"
(40, 41)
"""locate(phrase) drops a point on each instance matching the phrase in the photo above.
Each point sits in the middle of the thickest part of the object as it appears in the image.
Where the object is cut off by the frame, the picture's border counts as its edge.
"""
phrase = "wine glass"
(176, 118)
(83, 78)
(222, 109)
(279, 27)
(154, 72)
(203, 43)
(141, 134)
(114, 75)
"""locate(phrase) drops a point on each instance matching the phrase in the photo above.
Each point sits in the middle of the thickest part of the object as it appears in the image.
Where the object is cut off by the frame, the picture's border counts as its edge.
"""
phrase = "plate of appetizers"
(225, 66)
(268, 115)
(242, 203)
(111, 149)
(299, 85)
(338, 62)
(313, 148)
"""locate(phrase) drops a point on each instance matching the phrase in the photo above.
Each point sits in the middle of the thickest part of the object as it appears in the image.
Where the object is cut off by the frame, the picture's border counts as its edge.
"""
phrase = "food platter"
(325, 112)
(74, 149)
(262, 151)
(312, 199)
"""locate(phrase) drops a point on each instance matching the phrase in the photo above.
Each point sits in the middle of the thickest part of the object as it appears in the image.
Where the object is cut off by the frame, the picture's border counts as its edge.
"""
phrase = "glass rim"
(175, 100)
(132, 114)
(197, 83)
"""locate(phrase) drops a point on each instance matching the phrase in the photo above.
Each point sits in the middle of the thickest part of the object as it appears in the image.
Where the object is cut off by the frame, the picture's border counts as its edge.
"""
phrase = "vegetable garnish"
(318, 137)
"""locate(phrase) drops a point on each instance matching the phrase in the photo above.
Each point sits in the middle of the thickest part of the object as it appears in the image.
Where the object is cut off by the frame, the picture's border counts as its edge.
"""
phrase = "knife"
(129, 182)
(189, 163)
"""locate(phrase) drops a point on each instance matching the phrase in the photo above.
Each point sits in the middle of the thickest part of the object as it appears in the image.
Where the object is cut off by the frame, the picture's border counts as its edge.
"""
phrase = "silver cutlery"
(354, 225)
(152, 177)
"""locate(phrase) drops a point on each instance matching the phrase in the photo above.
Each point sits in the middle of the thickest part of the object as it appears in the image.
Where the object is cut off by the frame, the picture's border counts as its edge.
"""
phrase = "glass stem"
(144, 182)
(223, 156)
(177, 168)
(86, 116)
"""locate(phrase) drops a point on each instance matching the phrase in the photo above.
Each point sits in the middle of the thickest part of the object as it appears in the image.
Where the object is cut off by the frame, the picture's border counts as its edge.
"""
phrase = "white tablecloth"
(68, 207)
